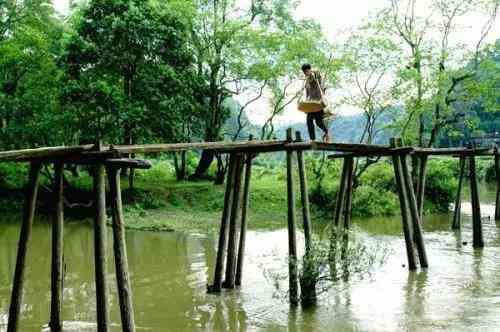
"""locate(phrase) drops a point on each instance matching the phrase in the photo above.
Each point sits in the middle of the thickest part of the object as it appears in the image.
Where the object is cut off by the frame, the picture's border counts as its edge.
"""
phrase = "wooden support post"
(477, 228)
(339, 206)
(348, 205)
(339, 203)
(403, 203)
(304, 194)
(57, 251)
(100, 256)
(292, 237)
(414, 213)
(22, 247)
(422, 174)
(120, 251)
(223, 232)
(458, 200)
(244, 218)
(497, 176)
(229, 282)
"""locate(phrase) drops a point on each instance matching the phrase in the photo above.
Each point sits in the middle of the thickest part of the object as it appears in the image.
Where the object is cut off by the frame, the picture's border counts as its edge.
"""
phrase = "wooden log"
(339, 207)
(233, 226)
(403, 203)
(458, 200)
(497, 176)
(224, 229)
(244, 218)
(348, 207)
(304, 194)
(41, 153)
(22, 247)
(55, 323)
(422, 174)
(100, 256)
(414, 213)
(469, 151)
(120, 252)
(339, 203)
(477, 228)
(292, 237)
(128, 163)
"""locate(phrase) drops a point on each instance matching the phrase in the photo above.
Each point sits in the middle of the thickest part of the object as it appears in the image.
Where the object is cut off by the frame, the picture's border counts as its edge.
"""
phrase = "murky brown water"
(459, 292)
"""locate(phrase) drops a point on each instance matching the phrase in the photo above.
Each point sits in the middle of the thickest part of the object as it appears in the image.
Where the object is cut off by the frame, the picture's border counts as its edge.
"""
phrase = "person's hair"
(306, 66)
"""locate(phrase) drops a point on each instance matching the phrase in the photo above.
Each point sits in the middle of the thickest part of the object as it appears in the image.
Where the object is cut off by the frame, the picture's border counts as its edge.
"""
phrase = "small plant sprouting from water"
(341, 257)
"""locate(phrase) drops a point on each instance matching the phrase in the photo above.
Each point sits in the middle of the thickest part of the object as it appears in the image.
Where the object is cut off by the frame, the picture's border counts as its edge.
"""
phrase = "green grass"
(160, 203)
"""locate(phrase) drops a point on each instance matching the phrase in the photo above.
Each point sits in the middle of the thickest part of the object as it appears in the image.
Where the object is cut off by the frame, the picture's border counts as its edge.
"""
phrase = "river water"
(459, 292)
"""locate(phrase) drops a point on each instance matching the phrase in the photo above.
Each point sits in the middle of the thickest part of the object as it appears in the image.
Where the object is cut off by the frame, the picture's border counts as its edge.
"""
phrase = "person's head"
(306, 69)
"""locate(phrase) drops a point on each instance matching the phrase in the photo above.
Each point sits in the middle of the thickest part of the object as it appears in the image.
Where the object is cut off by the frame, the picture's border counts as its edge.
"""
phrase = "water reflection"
(460, 291)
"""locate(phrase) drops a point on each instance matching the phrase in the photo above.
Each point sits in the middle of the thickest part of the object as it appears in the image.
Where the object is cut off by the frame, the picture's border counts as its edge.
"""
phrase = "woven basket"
(310, 106)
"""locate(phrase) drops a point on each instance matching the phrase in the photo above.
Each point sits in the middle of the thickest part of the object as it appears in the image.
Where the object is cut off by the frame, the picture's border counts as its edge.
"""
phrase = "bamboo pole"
(339, 206)
(477, 228)
(304, 194)
(292, 237)
(233, 226)
(57, 251)
(458, 200)
(100, 256)
(402, 193)
(422, 174)
(22, 247)
(120, 252)
(348, 207)
(414, 213)
(244, 218)
(497, 176)
(223, 232)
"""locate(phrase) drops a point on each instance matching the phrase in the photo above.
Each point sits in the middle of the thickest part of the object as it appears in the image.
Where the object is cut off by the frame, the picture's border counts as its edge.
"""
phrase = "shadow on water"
(460, 291)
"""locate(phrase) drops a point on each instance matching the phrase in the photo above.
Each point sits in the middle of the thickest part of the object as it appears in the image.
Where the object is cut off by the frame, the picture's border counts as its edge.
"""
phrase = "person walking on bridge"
(315, 90)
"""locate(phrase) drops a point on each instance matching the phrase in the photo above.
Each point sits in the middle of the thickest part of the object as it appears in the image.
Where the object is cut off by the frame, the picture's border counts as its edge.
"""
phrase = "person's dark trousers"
(317, 117)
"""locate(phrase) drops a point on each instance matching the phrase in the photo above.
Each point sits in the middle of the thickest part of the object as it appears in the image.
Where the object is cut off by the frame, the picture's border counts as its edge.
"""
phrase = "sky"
(336, 17)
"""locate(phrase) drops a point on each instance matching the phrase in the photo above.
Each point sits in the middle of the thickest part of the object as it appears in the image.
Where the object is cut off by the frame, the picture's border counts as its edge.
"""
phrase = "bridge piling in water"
(458, 199)
(22, 246)
(292, 236)
(497, 182)
(233, 225)
(55, 323)
(403, 203)
(304, 196)
(477, 227)
(244, 218)
(120, 252)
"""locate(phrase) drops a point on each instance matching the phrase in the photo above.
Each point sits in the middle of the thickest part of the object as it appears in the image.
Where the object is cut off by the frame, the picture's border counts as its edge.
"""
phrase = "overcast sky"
(335, 18)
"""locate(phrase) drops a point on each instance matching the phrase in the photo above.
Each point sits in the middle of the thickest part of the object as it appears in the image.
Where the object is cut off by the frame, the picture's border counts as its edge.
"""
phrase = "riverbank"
(160, 203)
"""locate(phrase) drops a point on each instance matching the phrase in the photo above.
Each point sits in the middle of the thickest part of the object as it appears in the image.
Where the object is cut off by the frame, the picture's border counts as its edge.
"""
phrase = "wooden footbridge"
(231, 245)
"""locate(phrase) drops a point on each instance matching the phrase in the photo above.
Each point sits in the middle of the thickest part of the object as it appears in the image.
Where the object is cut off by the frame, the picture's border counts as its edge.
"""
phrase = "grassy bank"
(160, 203)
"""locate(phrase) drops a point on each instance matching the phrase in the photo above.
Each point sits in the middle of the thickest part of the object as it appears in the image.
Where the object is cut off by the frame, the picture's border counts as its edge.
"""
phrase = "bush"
(372, 201)
(441, 184)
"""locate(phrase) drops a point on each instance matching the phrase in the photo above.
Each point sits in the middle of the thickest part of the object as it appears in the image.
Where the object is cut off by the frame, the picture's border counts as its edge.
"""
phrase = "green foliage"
(441, 183)
(129, 74)
(372, 201)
